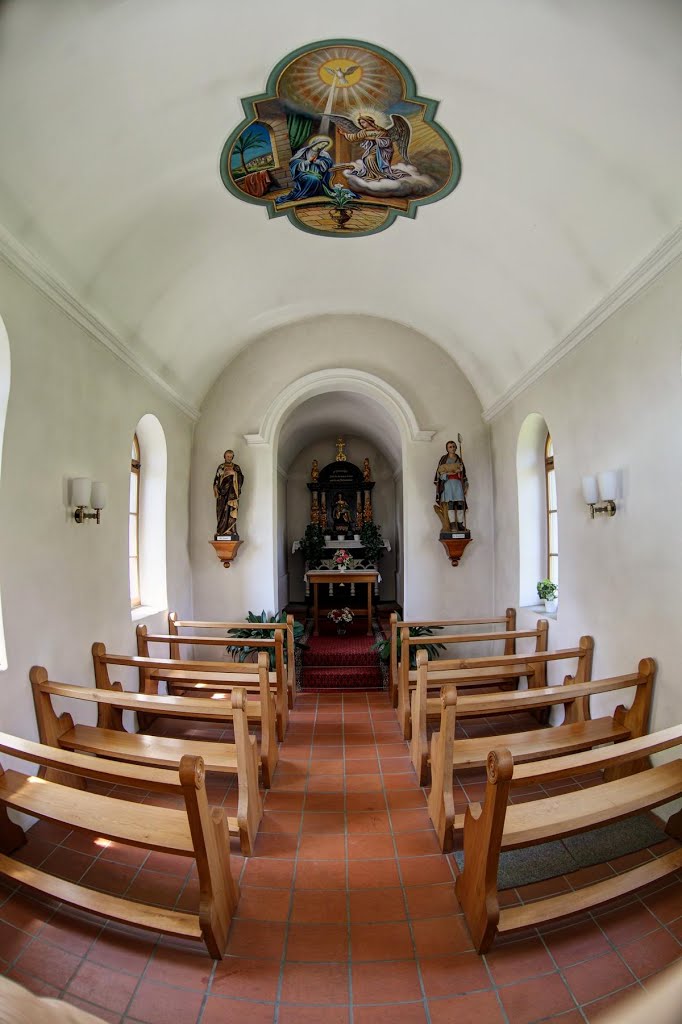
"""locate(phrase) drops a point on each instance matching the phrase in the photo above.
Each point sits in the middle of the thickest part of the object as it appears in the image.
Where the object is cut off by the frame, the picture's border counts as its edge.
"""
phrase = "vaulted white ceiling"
(566, 115)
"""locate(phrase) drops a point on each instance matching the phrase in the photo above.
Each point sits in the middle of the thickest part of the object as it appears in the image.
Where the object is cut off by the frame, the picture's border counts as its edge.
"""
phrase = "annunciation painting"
(340, 142)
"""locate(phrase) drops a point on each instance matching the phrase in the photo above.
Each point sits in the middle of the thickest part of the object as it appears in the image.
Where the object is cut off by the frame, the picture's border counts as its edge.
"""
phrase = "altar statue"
(341, 515)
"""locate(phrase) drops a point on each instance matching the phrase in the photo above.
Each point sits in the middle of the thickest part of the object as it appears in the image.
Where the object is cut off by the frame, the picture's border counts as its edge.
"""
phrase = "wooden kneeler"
(196, 831)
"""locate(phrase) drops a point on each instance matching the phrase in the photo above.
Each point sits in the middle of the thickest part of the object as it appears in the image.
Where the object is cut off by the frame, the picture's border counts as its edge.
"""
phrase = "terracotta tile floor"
(348, 912)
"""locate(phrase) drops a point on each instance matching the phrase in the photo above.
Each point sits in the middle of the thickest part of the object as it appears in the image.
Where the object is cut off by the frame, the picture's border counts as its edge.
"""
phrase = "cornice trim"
(644, 274)
(28, 266)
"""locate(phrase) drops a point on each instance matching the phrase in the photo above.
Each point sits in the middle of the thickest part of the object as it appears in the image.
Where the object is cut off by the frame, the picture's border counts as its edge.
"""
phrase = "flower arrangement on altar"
(340, 615)
(342, 559)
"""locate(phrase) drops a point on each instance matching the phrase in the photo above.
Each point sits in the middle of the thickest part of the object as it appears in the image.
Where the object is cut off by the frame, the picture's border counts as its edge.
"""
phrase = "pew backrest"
(398, 665)
(285, 628)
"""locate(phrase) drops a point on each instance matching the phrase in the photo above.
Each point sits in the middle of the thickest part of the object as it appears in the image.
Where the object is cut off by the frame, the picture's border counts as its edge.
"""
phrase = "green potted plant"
(547, 592)
(383, 646)
(243, 653)
(312, 543)
(372, 542)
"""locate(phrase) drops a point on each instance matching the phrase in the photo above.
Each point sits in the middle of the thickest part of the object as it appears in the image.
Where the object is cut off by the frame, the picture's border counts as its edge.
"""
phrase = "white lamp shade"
(99, 494)
(608, 484)
(80, 490)
(590, 493)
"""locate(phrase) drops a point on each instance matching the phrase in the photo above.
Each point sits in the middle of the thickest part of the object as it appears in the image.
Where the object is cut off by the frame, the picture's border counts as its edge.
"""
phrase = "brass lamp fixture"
(600, 492)
(86, 494)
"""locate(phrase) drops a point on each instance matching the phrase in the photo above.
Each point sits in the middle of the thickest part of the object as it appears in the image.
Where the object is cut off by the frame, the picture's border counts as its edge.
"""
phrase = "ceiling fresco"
(340, 142)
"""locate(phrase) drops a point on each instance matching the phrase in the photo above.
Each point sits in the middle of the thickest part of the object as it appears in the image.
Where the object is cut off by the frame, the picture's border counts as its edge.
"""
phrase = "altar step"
(341, 677)
(333, 662)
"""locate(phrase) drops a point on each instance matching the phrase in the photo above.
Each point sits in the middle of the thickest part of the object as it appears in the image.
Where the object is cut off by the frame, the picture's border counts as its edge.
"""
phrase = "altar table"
(333, 576)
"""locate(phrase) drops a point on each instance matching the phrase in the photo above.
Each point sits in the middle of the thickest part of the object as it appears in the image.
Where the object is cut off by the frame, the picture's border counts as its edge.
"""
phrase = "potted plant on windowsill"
(548, 592)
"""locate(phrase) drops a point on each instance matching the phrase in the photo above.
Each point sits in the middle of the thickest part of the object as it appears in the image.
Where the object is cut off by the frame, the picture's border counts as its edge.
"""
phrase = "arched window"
(552, 515)
(538, 516)
(134, 526)
(147, 518)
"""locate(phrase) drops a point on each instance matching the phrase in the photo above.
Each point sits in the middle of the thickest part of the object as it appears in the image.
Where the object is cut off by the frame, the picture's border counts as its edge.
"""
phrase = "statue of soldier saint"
(227, 488)
(451, 488)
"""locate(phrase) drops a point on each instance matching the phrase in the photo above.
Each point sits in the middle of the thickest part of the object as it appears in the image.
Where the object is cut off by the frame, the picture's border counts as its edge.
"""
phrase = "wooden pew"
(197, 831)
(468, 673)
(183, 684)
(113, 741)
(508, 671)
(399, 666)
(287, 628)
(577, 732)
(495, 826)
(150, 704)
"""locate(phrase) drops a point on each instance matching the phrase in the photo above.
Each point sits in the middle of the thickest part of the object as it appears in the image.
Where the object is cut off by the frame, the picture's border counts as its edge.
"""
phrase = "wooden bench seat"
(495, 826)
(465, 673)
(260, 706)
(110, 740)
(286, 628)
(239, 672)
(577, 733)
(396, 664)
(196, 831)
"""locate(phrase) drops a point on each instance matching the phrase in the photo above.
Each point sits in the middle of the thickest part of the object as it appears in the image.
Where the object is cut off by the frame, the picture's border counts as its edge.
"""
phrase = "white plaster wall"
(73, 408)
(383, 504)
(613, 403)
(442, 400)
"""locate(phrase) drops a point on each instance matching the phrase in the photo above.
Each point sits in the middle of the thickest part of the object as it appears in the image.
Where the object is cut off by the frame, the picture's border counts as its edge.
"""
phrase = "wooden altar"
(333, 577)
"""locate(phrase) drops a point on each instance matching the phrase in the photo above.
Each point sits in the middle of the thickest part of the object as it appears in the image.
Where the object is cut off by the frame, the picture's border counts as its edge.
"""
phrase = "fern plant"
(383, 646)
(239, 653)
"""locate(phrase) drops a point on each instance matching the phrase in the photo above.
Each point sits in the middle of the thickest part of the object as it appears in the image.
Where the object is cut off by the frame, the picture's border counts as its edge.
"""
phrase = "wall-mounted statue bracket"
(226, 550)
(454, 548)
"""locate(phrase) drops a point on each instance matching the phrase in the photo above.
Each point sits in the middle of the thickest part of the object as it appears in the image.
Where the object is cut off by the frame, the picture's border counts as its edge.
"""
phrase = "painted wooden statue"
(227, 488)
(451, 488)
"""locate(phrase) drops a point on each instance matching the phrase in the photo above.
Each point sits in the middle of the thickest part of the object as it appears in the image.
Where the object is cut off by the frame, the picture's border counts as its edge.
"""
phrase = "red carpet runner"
(334, 662)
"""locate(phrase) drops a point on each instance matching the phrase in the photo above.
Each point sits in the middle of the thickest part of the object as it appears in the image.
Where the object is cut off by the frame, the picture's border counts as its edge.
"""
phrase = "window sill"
(143, 612)
(540, 609)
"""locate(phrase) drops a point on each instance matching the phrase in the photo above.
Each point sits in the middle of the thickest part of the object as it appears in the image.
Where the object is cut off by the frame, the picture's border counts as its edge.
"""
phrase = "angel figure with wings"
(378, 144)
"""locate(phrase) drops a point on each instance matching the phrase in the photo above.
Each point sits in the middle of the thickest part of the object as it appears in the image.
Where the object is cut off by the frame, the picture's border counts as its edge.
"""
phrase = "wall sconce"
(87, 493)
(599, 492)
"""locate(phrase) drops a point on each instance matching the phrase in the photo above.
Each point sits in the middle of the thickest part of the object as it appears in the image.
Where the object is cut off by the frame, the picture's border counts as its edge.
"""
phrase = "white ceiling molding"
(325, 381)
(28, 266)
(662, 257)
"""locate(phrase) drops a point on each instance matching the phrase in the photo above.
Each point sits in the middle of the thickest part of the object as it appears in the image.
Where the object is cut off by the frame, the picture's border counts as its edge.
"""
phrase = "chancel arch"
(347, 435)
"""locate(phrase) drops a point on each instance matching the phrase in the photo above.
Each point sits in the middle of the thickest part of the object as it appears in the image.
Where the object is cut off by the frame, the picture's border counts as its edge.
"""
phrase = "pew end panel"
(441, 801)
(636, 719)
(476, 886)
(51, 727)
(218, 891)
